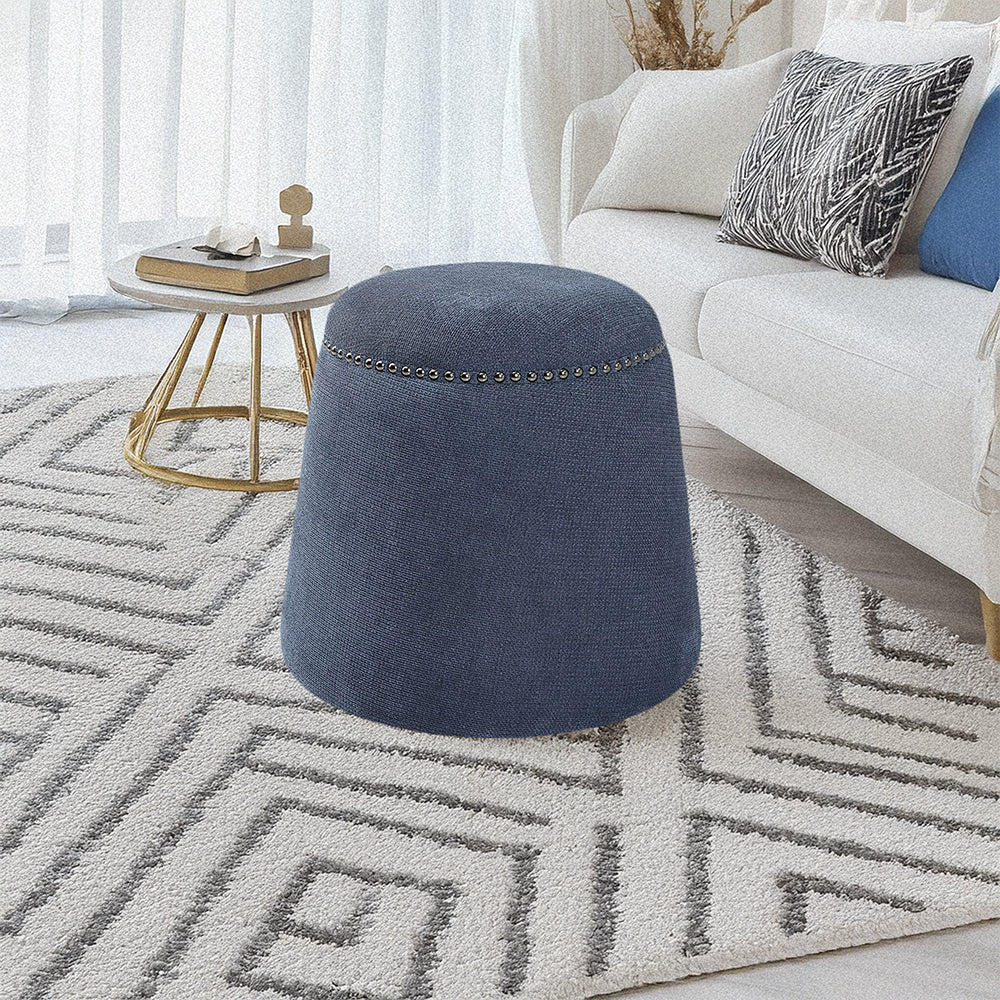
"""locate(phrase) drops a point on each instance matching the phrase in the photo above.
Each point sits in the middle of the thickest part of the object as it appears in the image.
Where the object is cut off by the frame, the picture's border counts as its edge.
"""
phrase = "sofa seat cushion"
(670, 259)
(889, 364)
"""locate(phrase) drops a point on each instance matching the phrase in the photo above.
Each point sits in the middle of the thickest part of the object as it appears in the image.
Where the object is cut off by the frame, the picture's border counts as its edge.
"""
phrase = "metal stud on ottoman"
(491, 536)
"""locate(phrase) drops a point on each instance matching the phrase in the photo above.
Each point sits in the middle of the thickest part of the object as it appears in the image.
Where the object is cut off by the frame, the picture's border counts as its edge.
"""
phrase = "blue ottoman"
(491, 536)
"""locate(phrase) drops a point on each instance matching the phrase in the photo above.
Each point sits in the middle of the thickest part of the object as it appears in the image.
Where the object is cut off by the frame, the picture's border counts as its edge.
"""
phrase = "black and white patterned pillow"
(838, 158)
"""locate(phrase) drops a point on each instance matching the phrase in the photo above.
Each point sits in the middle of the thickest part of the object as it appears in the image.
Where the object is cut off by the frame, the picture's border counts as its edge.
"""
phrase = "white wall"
(785, 23)
(798, 23)
(973, 10)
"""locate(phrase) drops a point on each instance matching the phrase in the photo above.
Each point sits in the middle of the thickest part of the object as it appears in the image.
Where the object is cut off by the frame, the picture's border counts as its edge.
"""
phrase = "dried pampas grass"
(655, 33)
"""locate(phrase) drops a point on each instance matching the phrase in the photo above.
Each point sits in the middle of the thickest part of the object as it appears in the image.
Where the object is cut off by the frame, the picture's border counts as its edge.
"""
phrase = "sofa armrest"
(588, 139)
(987, 412)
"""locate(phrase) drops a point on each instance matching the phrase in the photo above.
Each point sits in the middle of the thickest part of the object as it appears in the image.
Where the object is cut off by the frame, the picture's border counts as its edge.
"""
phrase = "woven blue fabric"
(961, 238)
(504, 556)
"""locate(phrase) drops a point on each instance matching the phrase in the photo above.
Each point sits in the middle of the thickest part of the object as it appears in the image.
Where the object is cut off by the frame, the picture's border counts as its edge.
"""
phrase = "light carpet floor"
(179, 819)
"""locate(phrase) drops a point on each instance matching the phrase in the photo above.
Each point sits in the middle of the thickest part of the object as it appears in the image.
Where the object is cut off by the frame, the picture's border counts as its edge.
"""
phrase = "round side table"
(292, 301)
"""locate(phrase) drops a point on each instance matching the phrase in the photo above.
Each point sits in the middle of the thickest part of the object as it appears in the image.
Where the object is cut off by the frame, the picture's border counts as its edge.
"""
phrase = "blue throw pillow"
(961, 239)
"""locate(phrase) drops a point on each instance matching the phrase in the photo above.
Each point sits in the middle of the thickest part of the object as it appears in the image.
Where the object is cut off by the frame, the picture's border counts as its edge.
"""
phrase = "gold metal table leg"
(156, 411)
(255, 400)
(163, 377)
(309, 337)
(160, 398)
(210, 358)
(301, 354)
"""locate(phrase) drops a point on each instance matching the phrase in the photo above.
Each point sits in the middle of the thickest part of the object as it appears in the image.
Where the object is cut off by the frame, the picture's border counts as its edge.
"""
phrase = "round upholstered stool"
(491, 536)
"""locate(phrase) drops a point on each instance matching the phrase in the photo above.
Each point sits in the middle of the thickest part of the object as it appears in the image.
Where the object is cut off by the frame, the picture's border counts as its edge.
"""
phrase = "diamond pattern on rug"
(180, 819)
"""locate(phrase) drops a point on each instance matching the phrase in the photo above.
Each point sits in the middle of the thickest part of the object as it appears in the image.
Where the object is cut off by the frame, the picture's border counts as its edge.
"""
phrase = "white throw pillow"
(882, 42)
(683, 135)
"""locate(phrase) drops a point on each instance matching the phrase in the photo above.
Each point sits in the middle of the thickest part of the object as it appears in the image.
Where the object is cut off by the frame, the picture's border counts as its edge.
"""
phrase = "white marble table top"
(298, 296)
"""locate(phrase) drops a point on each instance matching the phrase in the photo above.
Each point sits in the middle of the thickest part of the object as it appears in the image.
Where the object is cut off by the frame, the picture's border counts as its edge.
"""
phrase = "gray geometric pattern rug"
(179, 819)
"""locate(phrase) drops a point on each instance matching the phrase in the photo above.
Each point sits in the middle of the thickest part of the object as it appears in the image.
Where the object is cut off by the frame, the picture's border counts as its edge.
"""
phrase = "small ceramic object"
(237, 239)
(295, 201)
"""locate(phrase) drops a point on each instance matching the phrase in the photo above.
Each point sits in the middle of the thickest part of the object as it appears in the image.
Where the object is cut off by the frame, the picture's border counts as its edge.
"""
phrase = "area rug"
(179, 819)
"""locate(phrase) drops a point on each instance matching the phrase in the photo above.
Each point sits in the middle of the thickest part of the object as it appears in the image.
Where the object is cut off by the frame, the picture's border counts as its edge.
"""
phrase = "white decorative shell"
(239, 238)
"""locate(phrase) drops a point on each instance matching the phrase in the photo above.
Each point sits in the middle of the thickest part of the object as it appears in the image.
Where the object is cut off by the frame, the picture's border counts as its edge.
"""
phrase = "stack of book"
(181, 264)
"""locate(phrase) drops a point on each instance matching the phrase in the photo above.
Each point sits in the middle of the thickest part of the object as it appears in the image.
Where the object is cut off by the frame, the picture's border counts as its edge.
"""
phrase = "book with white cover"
(180, 264)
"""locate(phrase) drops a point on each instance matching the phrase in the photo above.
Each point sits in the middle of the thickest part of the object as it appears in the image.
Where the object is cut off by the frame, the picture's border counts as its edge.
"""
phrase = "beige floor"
(963, 964)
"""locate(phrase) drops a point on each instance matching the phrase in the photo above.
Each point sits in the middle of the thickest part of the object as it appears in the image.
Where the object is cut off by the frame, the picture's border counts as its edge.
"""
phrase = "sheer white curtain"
(427, 130)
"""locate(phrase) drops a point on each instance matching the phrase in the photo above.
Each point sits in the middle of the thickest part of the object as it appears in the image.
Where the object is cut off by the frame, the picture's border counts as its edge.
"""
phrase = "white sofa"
(869, 389)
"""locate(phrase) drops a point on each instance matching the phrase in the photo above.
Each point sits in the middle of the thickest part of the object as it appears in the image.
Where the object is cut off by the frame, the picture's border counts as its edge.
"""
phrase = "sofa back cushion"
(837, 159)
(683, 135)
(895, 42)
(993, 75)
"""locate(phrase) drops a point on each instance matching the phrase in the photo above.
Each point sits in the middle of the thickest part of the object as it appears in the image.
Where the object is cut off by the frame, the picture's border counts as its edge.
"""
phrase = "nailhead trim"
(577, 371)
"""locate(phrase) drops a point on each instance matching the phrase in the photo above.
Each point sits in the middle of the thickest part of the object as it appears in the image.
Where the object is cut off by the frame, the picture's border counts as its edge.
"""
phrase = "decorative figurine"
(295, 201)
